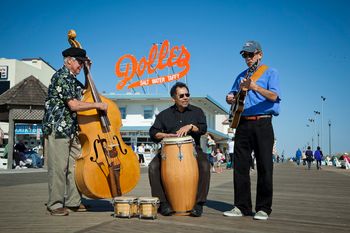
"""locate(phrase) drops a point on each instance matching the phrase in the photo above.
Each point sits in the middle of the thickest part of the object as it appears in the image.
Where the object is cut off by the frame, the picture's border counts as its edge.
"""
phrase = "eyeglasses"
(183, 95)
(79, 61)
(250, 55)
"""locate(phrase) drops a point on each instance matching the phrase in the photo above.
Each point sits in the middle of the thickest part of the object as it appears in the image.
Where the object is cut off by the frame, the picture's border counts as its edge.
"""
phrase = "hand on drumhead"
(161, 135)
(183, 131)
(170, 135)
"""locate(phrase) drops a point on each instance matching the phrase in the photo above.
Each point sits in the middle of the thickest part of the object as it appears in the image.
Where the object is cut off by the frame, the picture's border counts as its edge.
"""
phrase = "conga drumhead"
(176, 140)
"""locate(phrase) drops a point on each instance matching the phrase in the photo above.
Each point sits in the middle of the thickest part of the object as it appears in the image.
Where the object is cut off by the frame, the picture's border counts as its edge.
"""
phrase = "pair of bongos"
(142, 207)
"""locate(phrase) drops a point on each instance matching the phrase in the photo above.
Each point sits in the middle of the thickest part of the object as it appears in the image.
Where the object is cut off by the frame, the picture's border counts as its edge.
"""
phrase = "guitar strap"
(260, 71)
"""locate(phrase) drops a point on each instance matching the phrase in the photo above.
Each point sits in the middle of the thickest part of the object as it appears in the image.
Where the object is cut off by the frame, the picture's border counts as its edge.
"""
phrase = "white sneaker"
(261, 215)
(235, 212)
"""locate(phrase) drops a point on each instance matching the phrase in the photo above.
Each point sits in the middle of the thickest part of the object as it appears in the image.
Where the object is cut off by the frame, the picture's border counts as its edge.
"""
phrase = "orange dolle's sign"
(165, 57)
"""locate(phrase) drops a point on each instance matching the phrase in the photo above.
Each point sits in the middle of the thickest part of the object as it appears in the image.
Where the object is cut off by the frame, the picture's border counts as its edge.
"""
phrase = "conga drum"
(179, 173)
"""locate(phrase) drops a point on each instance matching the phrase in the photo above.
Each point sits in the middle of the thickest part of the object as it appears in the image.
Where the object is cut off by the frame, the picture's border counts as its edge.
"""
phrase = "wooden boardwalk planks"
(304, 201)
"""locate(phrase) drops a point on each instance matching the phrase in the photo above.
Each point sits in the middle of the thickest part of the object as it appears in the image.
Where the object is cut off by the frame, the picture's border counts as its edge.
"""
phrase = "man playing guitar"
(254, 132)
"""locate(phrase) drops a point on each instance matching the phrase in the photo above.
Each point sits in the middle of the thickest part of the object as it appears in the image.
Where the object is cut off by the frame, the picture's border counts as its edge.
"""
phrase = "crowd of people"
(308, 158)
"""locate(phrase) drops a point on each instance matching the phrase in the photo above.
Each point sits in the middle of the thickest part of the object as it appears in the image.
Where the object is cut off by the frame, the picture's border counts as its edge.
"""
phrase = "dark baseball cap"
(251, 46)
(78, 53)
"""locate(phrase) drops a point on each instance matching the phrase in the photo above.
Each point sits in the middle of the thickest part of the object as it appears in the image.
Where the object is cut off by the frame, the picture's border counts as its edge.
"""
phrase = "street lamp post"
(313, 132)
(323, 100)
(318, 131)
(312, 138)
(329, 138)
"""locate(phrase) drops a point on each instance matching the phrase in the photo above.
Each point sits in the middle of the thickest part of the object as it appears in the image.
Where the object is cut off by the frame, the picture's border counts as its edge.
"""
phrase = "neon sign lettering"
(133, 66)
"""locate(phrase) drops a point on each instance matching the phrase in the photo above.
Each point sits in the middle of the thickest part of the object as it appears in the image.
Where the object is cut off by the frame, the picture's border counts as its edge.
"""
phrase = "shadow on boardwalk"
(304, 201)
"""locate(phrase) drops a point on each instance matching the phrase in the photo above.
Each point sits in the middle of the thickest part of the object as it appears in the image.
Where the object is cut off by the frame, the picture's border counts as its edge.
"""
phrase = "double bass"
(107, 167)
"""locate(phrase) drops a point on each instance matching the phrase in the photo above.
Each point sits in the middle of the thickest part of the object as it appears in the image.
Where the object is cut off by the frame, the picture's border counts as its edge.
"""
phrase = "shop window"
(148, 111)
(123, 112)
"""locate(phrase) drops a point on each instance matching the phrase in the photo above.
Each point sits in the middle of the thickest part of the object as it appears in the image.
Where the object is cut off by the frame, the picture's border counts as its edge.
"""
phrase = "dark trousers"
(318, 164)
(157, 189)
(141, 158)
(309, 164)
(257, 136)
(231, 159)
(19, 156)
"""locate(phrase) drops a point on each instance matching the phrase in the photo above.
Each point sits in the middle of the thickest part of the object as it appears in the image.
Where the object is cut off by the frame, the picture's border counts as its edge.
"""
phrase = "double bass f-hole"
(96, 142)
(108, 150)
(125, 151)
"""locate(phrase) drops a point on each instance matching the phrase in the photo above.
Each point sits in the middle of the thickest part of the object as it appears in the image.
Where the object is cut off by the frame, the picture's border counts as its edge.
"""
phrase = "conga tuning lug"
(194, 149)
(180, 156)
(163, 156)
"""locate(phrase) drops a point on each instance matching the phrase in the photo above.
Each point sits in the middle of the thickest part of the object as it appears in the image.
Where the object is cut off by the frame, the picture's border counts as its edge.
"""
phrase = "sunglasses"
(80, 62)
(183, 95)
(250, 55)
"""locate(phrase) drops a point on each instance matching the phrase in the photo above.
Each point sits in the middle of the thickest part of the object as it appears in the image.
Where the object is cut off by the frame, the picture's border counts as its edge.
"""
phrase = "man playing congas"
(179, 120)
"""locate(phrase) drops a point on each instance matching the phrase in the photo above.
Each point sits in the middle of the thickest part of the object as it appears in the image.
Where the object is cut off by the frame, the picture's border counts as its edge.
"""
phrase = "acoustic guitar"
(238, 106)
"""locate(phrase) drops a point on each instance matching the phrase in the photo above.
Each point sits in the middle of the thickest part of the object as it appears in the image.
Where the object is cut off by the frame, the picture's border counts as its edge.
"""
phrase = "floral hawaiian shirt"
(58, 117)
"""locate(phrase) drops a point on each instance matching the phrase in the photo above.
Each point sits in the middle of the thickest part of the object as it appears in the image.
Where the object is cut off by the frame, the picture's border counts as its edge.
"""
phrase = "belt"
(255, 118)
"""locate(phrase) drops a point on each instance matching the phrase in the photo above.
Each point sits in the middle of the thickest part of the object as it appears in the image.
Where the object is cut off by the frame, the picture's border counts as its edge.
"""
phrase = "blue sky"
(306, 41)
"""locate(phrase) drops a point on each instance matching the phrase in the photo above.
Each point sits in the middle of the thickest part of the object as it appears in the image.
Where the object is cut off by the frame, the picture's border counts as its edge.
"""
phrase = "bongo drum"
(125, 207)
(179, 173)
(148, 207)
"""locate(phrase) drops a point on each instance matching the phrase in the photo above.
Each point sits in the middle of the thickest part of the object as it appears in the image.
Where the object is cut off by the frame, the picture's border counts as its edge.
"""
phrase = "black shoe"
(165, 209)
(197, 210)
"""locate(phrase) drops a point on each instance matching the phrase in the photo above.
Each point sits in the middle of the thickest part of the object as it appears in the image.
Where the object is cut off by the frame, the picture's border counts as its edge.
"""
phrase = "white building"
(13, 71)
(138, 113)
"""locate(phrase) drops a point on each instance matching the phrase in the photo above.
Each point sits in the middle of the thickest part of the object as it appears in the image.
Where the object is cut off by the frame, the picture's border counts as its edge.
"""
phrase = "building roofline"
(162, 97)
(132, 128)
(38, 58)
(215, 132)
(217, 104)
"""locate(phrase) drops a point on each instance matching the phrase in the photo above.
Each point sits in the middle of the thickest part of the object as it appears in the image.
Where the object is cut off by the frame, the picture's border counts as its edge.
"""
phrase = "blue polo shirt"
(255, 103)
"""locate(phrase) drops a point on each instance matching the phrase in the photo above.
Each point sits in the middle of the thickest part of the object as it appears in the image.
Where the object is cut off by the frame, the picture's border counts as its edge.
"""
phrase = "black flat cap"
(78, 53)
